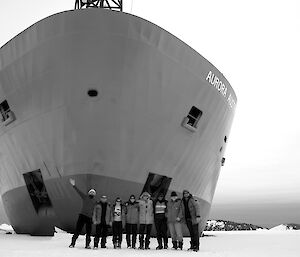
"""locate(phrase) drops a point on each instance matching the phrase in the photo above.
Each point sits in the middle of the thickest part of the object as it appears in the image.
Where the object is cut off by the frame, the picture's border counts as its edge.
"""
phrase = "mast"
(116, 5)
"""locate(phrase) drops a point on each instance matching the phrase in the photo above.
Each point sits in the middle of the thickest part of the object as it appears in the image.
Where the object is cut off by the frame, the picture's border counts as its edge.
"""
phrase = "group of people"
(143, 211)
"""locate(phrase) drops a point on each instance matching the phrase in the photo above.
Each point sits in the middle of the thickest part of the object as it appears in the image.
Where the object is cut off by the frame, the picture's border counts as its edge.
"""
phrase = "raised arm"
(81, 194)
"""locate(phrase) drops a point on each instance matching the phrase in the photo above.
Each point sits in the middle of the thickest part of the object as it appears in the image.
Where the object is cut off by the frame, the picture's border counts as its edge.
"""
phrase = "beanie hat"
(145, 194)
(185, 191)
(173, 194)
(92, 192)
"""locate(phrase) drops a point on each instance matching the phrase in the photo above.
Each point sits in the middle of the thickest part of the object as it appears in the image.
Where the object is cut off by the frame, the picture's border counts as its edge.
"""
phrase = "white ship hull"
(147, 81)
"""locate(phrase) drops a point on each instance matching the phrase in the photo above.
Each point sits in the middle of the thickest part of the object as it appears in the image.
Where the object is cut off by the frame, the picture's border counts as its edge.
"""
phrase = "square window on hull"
(190, 122)
(7, 116)
(4, 109)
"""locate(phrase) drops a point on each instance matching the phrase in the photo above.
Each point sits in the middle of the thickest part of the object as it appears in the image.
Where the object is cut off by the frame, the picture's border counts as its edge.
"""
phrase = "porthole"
(223, 161)
(92, 93)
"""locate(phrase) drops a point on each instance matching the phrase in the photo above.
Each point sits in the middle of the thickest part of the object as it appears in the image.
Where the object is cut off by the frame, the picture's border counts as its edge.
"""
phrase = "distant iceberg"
(7, 228)
(281, 227)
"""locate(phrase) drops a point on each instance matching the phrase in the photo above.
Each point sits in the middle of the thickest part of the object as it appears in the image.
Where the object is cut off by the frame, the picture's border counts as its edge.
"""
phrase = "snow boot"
(119, 244)
(128, 241)
(73, 242)
(159, 240)
(103, 242)
(96, 242)
(180, 245)
(166, 243)
(133, 242)
(192, 246)
(141, 239)
(174, 245)
(147, 243)
(196, 245)
(87, 242)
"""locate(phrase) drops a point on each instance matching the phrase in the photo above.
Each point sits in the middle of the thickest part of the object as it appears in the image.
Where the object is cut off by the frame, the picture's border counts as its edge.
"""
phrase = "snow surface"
(263, 243)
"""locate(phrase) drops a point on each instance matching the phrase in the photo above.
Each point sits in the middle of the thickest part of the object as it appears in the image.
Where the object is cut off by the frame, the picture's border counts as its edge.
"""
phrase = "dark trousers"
(161, 230)
(145, 228)
(194, 233)
(117, 232)
(83, 220)
(101, 230)
(131, 229)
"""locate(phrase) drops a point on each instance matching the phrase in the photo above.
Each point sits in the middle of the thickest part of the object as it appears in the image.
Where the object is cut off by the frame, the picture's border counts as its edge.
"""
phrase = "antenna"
(116, 5)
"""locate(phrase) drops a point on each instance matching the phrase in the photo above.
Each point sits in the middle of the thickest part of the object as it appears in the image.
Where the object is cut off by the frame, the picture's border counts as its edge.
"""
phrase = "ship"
(113, 101)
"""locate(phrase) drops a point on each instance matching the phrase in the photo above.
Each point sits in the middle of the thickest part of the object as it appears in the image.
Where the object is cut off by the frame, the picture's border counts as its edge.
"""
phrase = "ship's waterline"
(113, 101)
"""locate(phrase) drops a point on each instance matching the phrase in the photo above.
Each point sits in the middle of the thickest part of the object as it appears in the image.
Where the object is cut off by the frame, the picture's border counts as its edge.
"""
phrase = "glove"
(72, 181)
(177, 219)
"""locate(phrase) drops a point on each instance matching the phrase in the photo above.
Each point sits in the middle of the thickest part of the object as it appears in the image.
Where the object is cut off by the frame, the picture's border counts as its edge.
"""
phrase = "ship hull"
(133, 131)
(65, 205)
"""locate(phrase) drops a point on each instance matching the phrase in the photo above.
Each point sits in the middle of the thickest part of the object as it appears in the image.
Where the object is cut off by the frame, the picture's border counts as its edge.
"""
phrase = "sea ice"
(263, 243)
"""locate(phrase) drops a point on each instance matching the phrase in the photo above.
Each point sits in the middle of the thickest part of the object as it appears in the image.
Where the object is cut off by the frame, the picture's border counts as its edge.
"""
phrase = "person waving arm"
(81, 194)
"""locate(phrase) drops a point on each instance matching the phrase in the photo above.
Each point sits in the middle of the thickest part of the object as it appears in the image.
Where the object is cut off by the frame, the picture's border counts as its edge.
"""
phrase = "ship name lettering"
(217, 83)
(231, 101)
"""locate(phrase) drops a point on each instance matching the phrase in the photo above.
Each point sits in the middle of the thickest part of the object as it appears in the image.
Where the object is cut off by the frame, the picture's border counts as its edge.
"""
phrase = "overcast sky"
(255, 44)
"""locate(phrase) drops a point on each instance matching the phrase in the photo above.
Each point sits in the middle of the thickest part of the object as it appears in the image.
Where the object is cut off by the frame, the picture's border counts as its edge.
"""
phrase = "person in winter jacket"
(174, 217)
(145, 219)
(85, 216)
(117, 214)
(132, 219)
(160, 219)
(191, 214)
(102, 219)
